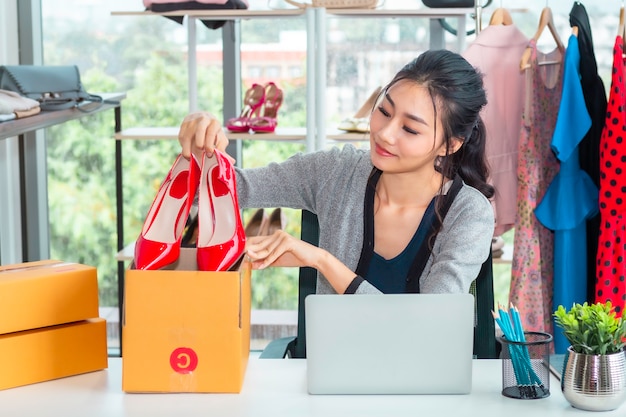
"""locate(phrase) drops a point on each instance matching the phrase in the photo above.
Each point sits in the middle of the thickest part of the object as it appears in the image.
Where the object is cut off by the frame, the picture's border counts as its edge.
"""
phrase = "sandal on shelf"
(360, 122)
(252, 102)
(268, 121)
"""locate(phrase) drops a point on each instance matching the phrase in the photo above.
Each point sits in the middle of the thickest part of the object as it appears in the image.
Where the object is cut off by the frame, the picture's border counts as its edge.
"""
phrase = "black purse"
(54, 87)
(159, 6)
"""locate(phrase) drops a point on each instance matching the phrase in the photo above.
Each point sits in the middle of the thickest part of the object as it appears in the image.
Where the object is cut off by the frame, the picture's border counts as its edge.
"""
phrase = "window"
(146, 57)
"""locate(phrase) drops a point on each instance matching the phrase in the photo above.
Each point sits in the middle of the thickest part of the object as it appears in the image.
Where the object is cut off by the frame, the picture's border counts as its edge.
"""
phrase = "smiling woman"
(420, 219)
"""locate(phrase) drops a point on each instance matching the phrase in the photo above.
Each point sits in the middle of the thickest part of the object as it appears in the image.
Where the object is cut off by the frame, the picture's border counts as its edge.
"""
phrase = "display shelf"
(431, 13)
(218, 14)
(293, 134)
(30, 225)
(171, 133)
(45, 119)
(315, 19)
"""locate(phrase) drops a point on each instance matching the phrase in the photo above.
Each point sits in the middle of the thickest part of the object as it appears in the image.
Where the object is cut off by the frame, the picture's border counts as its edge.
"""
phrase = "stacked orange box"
(49, 322)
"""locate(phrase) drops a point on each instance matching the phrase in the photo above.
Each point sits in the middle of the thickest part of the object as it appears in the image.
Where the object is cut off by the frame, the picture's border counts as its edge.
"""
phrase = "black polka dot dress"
(611, 268)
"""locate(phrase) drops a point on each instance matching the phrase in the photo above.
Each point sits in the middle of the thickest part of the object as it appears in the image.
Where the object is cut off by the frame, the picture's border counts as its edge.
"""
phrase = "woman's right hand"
(202, 132)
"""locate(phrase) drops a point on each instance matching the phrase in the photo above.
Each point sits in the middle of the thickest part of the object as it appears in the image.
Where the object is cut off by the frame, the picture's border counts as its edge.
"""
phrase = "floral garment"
(533, 251)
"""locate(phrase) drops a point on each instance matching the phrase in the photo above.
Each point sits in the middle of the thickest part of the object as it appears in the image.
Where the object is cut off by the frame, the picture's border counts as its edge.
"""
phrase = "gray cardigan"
(332, 185)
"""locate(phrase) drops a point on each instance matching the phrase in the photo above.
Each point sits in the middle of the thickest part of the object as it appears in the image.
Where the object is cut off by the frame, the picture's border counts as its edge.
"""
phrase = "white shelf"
(293, 134)
(218, 14)
(171, 133)
(431, 13)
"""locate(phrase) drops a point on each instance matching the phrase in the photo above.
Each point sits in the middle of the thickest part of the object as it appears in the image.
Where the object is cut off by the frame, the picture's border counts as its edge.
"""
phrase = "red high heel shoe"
(252, 102)
(273, 100)
(158, 245)
(221, 236)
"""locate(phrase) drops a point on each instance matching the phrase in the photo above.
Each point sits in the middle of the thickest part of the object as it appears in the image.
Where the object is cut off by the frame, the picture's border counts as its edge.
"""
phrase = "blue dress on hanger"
(572, 197)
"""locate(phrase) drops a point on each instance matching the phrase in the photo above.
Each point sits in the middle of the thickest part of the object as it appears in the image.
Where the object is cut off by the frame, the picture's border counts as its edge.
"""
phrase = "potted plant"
(594, 371)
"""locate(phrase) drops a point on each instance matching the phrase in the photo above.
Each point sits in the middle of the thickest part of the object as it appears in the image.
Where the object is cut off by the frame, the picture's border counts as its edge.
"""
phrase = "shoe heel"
(253, 100)
(269, 120)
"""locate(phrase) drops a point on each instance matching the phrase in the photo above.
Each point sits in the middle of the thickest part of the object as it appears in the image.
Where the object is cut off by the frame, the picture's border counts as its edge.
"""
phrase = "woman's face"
(402, 130)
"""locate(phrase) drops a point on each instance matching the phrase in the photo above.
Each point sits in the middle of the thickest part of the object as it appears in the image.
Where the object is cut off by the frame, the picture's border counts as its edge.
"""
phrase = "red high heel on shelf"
(252, 102)
(268, 121)
(221, 235)
(158, 245)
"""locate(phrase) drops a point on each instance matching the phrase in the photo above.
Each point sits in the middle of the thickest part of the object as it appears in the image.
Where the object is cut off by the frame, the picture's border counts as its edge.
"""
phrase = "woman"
(375, 207)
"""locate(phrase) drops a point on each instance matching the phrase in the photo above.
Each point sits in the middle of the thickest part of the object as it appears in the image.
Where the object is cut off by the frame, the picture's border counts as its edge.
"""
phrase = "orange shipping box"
(186, 331)
(46, 293)
(32, 356)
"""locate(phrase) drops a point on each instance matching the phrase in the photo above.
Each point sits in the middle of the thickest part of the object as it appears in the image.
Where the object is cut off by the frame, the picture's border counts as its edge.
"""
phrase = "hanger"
(545, 20)
(501, 16)
(621, 30)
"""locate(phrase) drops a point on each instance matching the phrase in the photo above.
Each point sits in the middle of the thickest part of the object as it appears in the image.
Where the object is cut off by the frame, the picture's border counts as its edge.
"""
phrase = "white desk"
(273, 387)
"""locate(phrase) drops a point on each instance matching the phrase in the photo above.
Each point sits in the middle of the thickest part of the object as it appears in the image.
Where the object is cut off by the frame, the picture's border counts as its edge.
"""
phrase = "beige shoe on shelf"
(360, 122)
(276, 221)
(256, 223)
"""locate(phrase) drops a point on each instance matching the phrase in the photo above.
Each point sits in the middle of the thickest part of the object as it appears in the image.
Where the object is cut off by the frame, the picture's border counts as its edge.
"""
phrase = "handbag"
(54, 87)
(337, 4)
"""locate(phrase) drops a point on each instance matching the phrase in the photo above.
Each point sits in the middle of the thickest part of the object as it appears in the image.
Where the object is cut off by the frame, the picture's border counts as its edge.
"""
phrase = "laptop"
(389, 343)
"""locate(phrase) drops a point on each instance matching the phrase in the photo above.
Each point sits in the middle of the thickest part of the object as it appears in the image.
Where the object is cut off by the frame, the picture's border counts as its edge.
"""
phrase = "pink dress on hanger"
(533, 251)
(496, 53)
(611, 265)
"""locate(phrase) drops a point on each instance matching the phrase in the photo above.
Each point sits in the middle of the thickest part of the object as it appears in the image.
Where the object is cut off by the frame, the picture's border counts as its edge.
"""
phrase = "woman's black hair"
(457, 92)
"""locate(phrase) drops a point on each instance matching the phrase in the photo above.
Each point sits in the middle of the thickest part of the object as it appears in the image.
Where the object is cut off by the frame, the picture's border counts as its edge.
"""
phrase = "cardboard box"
(53, 352)
(185, 330)
(46, 293)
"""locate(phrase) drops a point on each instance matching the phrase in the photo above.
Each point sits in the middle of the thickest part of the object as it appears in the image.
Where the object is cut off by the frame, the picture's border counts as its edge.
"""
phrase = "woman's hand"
(281, 249)
(202, 132)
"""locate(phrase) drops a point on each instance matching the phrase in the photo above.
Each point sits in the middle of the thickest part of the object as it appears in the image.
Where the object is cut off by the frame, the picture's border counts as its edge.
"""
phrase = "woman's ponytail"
(470, 162)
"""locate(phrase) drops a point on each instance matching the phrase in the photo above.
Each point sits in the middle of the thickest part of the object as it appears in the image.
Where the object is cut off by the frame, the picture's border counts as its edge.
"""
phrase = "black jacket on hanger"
(589, 148)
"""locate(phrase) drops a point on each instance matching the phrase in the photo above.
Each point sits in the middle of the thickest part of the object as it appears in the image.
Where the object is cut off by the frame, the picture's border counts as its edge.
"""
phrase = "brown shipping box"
(185, 330)
(53, 352)
(46, 293)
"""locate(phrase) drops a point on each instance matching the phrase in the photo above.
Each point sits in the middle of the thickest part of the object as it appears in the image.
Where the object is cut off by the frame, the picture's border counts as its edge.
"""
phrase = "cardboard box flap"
(29, 266)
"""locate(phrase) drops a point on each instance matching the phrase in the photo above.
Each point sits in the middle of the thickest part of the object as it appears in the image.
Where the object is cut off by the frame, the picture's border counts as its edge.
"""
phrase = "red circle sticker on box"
(183, 360)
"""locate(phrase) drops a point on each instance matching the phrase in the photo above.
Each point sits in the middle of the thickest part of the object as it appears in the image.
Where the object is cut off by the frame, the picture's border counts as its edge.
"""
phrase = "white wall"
(10, 238)
(8, 32)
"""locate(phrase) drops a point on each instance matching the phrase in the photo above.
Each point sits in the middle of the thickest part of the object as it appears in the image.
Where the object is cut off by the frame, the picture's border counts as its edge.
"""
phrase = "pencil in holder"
(526, 366)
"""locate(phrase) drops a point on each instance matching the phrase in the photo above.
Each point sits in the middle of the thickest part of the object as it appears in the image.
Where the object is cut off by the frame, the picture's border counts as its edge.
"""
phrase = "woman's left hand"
(281, 249)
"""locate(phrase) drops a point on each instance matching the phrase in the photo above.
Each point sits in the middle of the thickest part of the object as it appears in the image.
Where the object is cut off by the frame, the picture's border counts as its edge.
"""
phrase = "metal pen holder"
(526, 366)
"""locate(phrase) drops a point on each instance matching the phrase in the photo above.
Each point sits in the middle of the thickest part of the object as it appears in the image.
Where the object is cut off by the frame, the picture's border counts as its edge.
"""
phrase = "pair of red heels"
(221, 237)
(260, 110)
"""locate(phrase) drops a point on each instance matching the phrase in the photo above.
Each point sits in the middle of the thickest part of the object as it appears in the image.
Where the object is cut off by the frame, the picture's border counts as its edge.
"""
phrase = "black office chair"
(485, 346)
